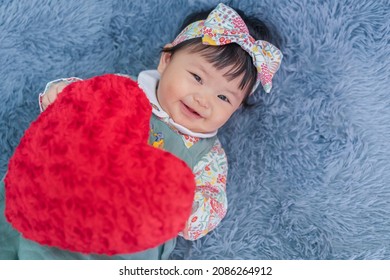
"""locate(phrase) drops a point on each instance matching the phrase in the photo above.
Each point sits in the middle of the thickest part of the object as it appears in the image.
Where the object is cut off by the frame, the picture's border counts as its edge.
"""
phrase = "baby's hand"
(51, 94)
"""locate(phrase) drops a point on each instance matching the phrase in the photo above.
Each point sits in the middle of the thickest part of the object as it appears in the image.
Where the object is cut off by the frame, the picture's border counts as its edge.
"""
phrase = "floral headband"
(224, 26)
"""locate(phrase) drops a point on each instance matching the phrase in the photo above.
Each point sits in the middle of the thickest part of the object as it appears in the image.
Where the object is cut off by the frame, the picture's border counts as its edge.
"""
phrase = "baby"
(203, 77)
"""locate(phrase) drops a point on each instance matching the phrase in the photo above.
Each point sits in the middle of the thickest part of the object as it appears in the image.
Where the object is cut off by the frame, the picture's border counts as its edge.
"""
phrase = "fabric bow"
(224, 26)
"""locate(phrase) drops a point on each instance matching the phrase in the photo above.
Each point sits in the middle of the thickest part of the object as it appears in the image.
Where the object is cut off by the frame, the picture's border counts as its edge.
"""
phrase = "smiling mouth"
(191, 112)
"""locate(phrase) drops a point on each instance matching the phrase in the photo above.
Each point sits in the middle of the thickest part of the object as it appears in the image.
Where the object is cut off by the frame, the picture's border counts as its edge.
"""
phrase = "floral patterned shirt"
(210, 202)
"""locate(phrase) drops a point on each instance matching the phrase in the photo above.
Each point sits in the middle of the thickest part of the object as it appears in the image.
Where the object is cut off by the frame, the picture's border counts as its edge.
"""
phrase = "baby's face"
(194, 93)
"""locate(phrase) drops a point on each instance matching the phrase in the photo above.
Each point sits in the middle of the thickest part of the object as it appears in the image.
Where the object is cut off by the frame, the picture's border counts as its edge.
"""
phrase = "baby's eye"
(197, 78)
(223, 98)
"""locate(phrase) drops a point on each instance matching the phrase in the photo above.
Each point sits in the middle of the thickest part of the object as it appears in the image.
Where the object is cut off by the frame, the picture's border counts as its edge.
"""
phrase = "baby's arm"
(52, 89)
(210, 203)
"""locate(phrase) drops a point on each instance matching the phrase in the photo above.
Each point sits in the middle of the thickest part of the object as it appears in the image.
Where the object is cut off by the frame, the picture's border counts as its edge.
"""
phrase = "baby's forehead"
(234, 64)
(231, 59)
(210, 69)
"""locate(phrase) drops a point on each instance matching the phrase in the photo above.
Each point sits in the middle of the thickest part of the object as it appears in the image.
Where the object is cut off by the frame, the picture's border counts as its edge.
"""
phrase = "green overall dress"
(14, 246)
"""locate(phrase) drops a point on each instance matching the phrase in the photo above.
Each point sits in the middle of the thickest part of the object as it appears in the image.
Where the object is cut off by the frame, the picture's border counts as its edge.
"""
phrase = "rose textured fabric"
(83, 177)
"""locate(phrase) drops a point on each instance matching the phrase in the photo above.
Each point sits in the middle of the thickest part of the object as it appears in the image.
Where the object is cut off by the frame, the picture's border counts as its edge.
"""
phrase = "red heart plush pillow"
(83, 177)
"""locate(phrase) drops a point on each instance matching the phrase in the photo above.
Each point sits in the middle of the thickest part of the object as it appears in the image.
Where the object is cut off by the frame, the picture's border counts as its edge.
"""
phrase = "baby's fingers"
(49, 98)
(60, 87)
(51, 95)
(45, 102)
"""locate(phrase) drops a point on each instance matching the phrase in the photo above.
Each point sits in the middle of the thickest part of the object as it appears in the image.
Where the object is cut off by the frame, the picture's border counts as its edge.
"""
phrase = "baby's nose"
(202, 101)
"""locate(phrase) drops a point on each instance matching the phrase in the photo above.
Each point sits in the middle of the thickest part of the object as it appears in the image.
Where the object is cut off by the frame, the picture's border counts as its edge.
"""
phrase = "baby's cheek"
(219, 121)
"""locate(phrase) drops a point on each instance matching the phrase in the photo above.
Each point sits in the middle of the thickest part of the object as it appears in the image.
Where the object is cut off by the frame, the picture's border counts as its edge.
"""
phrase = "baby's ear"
(164, 59)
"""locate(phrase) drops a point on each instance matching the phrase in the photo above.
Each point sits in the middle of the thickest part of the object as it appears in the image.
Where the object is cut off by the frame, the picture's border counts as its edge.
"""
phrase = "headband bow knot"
(224, 26)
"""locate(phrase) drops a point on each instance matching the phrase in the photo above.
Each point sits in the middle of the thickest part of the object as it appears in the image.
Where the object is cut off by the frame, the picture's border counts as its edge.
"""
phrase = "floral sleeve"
(210, 203)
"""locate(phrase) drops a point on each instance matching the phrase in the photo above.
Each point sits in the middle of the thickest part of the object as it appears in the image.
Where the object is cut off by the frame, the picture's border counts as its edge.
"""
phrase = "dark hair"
(228, 55)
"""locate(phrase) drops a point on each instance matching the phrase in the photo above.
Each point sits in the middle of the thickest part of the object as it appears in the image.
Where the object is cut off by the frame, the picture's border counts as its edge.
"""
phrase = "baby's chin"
(201, 130)
(194, 128)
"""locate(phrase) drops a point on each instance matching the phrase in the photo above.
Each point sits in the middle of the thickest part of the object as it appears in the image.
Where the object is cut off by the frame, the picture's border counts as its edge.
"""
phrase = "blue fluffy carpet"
(309, 164)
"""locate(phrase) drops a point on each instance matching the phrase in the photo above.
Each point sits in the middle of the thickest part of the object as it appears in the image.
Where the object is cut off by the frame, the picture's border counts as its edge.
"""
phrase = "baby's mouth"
(192, 111)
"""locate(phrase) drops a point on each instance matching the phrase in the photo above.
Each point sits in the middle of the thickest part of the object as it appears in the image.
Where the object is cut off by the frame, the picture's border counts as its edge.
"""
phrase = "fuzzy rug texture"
(309, 164)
